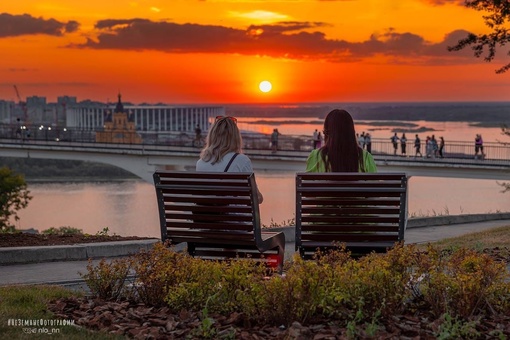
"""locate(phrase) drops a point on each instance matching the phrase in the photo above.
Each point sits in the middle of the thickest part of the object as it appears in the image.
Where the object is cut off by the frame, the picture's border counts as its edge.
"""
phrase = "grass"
(29, 302)
(491, 238)
(26, 303)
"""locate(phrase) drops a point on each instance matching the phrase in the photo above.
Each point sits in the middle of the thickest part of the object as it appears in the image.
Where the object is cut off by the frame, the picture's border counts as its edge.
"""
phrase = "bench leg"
(191, 249)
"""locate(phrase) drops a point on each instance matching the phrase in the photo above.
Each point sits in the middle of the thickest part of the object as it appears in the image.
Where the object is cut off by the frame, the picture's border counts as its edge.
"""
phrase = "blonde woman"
(223, 149)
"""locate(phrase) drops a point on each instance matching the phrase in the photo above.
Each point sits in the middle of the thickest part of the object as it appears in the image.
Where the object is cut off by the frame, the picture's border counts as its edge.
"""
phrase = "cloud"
(290, 39)
(260, 15)
(262, 1)
(16, 25)
(285, 39)
(445, 2)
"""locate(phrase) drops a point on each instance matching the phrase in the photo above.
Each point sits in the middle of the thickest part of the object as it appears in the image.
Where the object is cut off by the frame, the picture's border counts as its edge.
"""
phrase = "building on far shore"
(73, 120)
(119, 127)
(157, 120)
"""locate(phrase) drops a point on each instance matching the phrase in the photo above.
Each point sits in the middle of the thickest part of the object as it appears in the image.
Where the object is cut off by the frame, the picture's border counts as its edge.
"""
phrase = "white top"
(240, 164)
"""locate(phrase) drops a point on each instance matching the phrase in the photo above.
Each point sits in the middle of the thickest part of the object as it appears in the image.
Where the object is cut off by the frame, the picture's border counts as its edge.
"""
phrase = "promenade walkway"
(67, 273)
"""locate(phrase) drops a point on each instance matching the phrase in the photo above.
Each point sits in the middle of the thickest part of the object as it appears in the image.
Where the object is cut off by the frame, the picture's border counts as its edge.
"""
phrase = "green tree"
(497, 18)
(14, 196)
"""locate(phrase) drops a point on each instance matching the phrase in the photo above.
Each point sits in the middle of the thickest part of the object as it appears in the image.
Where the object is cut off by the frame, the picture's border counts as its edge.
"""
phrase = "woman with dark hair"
(341, 152)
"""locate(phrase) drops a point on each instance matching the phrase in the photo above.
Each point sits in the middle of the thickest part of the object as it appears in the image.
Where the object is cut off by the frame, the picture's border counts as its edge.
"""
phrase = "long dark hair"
(341, 152)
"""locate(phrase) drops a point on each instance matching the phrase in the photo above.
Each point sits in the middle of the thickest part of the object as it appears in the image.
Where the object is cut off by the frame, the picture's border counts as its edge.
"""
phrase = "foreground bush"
(458, 286)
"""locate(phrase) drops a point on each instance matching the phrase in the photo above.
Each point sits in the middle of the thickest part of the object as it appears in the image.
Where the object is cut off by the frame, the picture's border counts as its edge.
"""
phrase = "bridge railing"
(252, 141)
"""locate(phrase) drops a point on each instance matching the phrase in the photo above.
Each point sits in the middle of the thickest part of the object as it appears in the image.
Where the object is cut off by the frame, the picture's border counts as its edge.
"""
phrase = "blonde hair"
(222, 138)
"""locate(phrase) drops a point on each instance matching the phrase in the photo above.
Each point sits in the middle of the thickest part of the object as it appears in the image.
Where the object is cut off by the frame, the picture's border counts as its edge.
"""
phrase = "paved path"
(67, 272)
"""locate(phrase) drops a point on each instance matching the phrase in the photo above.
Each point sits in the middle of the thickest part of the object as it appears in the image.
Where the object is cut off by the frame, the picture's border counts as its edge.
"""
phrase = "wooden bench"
(365, 211)
(216, 214)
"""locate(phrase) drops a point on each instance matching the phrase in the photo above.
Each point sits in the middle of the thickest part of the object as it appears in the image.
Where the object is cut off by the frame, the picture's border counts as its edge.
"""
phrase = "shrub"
(107, 280)
(294, 296)
(62, 231)
(154, 271)
(464, 283)
(351, 292)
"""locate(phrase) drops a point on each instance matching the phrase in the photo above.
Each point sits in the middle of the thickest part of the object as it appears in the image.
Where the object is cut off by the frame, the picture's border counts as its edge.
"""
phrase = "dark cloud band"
(16, 25)
(291, 39)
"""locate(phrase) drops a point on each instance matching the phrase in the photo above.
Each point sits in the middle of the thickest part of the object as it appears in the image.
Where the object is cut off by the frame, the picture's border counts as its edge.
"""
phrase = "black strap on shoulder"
(230, 162)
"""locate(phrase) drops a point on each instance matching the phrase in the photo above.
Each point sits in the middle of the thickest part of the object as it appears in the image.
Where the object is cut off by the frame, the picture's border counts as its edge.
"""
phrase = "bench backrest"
(206, 201)
(365, 211)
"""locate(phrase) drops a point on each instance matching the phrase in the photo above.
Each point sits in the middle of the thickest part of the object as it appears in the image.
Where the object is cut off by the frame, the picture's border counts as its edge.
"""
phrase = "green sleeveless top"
(314, 163)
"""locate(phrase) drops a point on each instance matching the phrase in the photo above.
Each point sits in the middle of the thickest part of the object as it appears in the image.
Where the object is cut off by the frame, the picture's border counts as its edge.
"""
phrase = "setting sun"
(265, 86)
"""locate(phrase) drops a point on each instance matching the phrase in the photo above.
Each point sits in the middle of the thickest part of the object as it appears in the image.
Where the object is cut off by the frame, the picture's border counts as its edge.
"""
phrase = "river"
(129, 207)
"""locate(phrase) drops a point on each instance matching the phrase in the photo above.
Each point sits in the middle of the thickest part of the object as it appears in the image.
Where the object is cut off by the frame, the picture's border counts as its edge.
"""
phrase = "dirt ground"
(30, 240)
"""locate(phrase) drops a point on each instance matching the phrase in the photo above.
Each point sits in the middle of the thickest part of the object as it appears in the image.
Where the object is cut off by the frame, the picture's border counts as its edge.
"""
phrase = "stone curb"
(84, 251)
(457, 219)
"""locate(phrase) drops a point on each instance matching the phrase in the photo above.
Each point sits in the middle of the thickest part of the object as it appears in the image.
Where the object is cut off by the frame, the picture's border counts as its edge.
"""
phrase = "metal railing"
(40, 134)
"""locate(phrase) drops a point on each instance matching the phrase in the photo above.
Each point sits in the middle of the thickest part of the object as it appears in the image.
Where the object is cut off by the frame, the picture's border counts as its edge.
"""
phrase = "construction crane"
(22, 104)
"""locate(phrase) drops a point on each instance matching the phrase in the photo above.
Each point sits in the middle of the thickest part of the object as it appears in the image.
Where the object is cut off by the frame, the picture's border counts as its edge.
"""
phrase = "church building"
(119, 127)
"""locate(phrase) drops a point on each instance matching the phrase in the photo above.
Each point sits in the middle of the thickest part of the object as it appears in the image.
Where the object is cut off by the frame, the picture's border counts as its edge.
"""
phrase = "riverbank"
(58, 170)
(393, 111)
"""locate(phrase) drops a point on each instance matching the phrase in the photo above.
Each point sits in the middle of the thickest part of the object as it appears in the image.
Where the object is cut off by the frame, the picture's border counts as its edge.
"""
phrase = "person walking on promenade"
(479, 147)
(428, 147)
(403, 144)
(223, 150)
(319, 140)
(441, 147)
(394, 140)
(435, 147)
(341, 152)
(315, 139)
(417, 146)
(198, 136)
(274, 140)
(361, 140)
(368, 142)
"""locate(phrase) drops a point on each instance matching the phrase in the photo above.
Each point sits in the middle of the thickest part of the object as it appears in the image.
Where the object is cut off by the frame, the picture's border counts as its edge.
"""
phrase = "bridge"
(143, 159)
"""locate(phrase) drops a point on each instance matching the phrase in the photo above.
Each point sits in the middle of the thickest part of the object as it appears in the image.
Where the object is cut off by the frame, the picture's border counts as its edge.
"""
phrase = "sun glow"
(265, 86)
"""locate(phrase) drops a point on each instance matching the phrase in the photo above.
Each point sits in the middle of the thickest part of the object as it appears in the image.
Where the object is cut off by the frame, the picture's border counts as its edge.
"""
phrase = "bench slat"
(209, 225)
(225, 209)
(353, 184)
(210, 217)
(305, 201)
(207, 191)
(360, 220)
(338, 193)
(367, 210)
(229, 176)
(352, 176)
(350, 237)
(349, 227)
(204, 200)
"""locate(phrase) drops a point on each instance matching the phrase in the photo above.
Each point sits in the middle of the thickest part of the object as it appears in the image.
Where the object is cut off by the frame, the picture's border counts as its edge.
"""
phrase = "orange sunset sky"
(218, 51)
